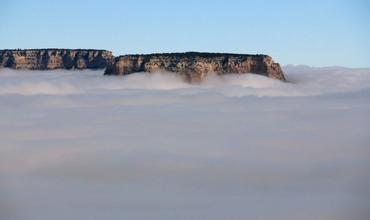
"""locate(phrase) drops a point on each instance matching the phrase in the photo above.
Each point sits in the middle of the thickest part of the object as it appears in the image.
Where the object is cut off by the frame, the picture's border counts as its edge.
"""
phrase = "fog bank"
(80, 145)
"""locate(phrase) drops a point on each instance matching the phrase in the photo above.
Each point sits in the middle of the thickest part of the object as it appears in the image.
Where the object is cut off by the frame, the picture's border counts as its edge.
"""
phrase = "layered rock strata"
(193, 66)
(49, 59)
(196, 66)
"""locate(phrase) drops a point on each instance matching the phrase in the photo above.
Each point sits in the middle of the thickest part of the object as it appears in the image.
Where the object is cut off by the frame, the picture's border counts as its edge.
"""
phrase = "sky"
(316, 33)
(80, 145)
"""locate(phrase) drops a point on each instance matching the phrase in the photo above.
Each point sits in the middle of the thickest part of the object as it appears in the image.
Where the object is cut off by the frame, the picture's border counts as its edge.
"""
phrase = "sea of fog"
(80, 145)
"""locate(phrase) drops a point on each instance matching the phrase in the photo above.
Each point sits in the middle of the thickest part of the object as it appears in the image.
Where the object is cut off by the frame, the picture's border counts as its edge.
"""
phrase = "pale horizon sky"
(315, 33)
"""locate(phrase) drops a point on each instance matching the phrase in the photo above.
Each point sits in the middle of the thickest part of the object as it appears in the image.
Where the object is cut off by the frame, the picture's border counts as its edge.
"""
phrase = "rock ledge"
(49, 59)
(196, 66)
(193, 66)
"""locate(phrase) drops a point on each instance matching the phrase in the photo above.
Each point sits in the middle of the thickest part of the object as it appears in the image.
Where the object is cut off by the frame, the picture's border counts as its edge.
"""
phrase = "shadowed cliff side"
(196, 66)
(48, 59)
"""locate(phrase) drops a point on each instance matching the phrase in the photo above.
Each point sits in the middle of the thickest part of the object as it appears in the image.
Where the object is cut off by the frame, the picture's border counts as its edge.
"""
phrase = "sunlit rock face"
(196, 66)
(49, 59)
(193, 66)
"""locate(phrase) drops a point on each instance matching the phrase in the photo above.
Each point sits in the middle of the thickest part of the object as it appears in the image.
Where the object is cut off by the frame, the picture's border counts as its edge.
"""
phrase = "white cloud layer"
(304, 81)
(79, 145)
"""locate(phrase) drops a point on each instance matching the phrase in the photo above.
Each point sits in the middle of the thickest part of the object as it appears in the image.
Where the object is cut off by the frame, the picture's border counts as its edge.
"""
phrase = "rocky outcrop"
(196, 66)
(48, 59)
(193, 66)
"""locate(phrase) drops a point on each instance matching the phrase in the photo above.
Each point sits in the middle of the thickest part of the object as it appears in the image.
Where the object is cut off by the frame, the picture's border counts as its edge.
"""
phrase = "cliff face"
(196, 66)
(48, 59)
(193, 66)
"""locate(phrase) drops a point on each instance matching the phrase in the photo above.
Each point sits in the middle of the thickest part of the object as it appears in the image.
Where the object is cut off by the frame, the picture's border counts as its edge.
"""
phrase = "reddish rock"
(48, 59)
(193, 66)
(196, 66)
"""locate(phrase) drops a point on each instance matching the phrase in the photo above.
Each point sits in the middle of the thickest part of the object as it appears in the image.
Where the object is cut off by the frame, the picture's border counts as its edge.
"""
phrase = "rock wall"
(48, 59)
(193, 66)
(196, 66)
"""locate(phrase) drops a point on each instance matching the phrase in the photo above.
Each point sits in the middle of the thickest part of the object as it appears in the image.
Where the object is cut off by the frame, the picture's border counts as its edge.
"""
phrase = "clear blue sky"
(314, 32)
